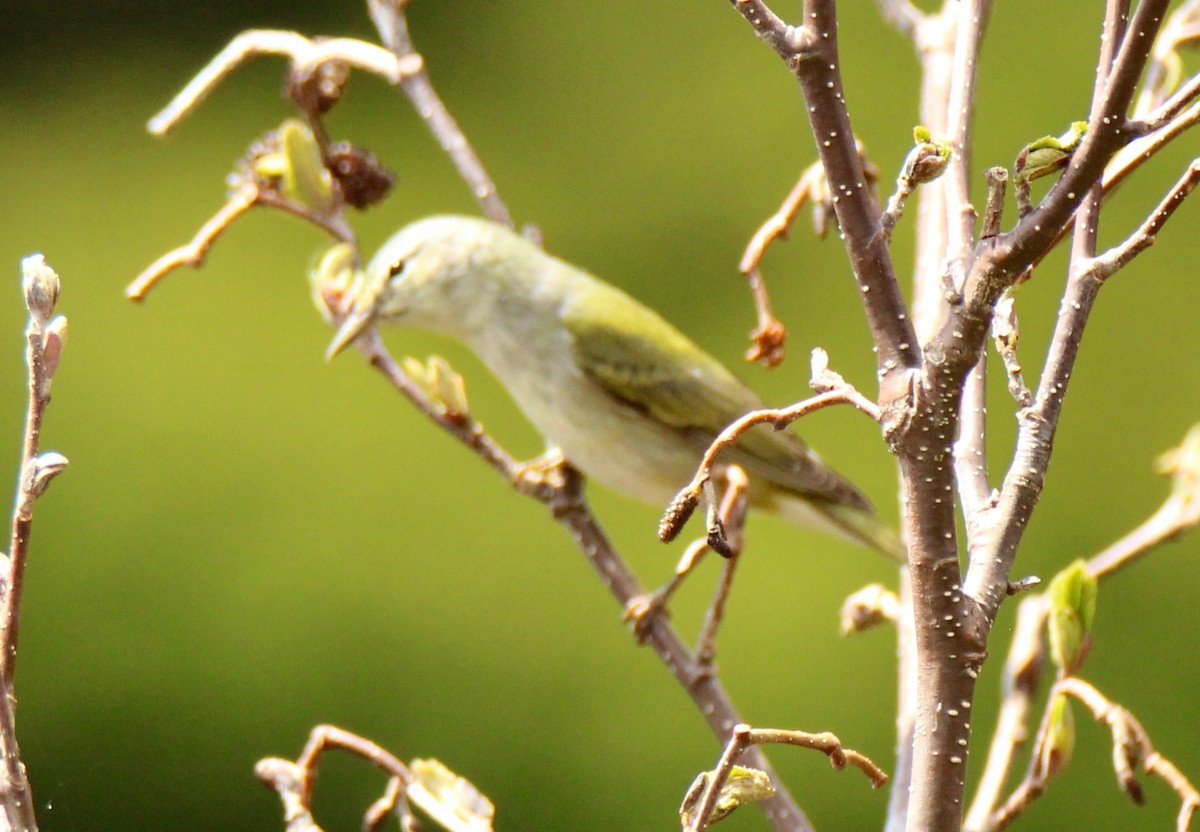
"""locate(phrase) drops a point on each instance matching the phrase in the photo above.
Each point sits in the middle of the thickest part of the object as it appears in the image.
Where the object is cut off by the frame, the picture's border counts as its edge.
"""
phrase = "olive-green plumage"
(630, 400)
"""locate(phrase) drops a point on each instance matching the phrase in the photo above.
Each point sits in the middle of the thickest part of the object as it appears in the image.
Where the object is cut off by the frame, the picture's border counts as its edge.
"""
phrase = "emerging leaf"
(453, 802)
(305, 178)
(1049, 153)
(744, 785)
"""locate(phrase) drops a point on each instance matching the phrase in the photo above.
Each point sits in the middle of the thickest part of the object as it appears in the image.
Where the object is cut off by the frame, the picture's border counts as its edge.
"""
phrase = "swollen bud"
(43, 469)
(928, 158)
(41, 287)
(1059, 741)
(1072, 596)
(54, 338)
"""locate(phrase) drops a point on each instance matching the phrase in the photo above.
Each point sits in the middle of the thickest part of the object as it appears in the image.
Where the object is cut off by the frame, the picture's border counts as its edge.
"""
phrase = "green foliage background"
(249, 542)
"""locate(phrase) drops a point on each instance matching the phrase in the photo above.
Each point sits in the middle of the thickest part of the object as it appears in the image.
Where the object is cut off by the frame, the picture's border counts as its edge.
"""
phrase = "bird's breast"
(609, 440)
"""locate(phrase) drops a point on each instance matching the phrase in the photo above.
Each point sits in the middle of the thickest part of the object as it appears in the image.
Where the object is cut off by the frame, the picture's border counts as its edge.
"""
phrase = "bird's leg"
(732, 516)
(545, 471)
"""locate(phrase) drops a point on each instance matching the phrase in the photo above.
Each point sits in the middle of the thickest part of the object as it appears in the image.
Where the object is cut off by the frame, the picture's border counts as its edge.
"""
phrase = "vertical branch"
(949, 649)
(45, 336)
(1038, 423)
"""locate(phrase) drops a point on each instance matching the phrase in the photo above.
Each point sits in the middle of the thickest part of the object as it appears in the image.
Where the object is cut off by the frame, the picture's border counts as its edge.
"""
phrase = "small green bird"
(627, 398)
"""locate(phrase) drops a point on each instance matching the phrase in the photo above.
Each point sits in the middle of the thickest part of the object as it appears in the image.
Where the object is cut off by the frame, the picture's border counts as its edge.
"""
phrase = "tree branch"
(565, 500)
(389, 19)
(811, 53)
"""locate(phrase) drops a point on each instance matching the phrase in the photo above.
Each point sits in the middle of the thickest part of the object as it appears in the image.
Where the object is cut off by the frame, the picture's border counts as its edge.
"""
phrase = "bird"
(628, 399)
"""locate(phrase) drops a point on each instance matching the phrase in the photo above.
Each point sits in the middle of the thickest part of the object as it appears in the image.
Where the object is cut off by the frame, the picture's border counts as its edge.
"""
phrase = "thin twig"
(685, 501)
(1132, 747)
(1119, 256)
(305, 54)
(389, 19)
(744, 737)
(777, 226)
(732, 514)
(194, 252)
(45, 337)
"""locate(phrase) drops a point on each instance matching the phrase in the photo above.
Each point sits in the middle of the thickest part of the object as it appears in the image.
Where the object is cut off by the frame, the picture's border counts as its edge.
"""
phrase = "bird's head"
(413, 278)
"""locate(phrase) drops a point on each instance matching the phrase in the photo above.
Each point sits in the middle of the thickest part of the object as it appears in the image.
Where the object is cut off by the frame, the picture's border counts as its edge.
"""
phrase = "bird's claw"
(545, 471)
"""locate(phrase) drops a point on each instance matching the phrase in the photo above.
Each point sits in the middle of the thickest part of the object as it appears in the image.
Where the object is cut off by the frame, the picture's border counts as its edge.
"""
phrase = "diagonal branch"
(565, 500)
(389, 19)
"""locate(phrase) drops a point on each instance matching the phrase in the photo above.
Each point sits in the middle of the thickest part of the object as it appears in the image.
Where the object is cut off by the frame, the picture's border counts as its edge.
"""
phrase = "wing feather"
(645, 362)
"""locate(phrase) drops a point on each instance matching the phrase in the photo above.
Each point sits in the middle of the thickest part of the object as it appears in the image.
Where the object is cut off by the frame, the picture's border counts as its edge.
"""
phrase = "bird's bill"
(355, 324)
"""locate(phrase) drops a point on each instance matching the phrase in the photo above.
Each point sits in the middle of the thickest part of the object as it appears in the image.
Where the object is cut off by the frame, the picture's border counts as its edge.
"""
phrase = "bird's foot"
(545, 471)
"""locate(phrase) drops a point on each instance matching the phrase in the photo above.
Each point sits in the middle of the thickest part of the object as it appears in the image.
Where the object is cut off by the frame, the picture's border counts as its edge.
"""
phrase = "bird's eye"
(396, 268)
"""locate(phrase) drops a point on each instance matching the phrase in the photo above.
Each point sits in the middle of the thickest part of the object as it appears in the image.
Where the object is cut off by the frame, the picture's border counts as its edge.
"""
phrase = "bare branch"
(988, 577)
(811, 53)
(685, 501)
(744, 737)
(903, 15)
(390, 20)
(1118, 257)
(1169, 110)
(1136, 153)
(305, 54)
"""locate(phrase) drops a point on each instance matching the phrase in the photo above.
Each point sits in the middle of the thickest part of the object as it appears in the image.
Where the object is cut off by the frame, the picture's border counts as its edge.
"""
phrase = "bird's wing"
(642, 360)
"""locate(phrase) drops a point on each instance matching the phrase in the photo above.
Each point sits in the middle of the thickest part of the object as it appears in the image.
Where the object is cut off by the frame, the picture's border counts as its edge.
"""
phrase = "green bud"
(330, 279)
(744, 785)
(1072, 595)
(1059, 740)
(1049, 153)
(928, 158)
(290, 159)
(449, 799)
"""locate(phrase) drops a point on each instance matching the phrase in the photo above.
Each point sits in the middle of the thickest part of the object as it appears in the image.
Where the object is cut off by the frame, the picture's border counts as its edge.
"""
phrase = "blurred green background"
(250, 542)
